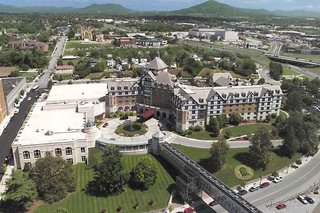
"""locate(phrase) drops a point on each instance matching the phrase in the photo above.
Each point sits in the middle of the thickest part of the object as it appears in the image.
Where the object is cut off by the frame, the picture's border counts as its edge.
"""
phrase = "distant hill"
(297, 13)
(213, 8)
(9, 9)
(106, 9)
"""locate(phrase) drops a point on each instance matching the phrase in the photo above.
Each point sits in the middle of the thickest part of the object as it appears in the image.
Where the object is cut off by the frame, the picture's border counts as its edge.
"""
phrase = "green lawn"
(80, 202)
(201, 135)
(314, 58)
(247, 129)
(208, 72)
(80, 45)
(98, 75)
(290, 71)
(234, 158)
(30, 76)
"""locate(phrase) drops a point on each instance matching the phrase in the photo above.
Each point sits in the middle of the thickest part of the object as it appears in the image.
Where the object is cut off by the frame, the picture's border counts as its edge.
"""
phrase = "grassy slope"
(246, 129)
(79, 202)
(234, 158)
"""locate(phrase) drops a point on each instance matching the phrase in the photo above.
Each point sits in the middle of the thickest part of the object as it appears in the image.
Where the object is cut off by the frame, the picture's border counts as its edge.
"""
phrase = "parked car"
(242, 192)
(309, 199)
(302, 199)
(277, 179)
(105, 125)
(295, 166)
(213, 203)
(281, 206)
(29, 98)
(264, 185)
(254, 188)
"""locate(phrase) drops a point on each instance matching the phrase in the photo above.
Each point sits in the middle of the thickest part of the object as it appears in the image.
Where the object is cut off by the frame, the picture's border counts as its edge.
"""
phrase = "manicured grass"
(201, 135)
(98, 75)
(80, 45)
(283, 113)
(247, 129)
(80, 202)
(30, 76)
(314, 58)
(234, 158)
(290, 71)
(208, 72)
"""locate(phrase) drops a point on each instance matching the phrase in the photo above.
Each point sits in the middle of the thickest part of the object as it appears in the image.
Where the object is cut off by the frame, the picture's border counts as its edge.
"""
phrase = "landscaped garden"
(235, 160)
(156, 197)
(131, 129)
(247, 129)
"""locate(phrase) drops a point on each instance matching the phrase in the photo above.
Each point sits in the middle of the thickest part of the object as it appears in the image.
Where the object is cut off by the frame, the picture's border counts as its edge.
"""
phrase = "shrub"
(198, 128)
(298, 162)
(188, 132)
(227, 134)
(119, 209)
(275, 174)
(273, 115)
(191, 128)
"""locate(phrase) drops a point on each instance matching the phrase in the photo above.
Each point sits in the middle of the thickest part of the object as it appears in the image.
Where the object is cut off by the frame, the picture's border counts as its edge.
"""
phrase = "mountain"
(9, 9)
(106, 9)
(297, 13)
(213, 8)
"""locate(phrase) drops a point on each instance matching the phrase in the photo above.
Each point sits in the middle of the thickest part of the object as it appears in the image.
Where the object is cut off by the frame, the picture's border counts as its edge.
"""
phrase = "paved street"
(43, 80)
(14, 125)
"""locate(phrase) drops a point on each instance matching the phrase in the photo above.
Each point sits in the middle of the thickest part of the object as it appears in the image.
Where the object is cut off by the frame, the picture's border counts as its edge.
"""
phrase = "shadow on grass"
(207, 165)
(244, 158)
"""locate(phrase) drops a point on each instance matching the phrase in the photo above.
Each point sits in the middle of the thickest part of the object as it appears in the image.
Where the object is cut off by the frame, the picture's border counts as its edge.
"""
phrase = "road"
(43, 80)
(10, 132)
(275, 48)
(264, 73)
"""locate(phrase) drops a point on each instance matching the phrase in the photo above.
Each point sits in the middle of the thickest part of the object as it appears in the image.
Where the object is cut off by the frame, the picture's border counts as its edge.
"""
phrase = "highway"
(58, 51)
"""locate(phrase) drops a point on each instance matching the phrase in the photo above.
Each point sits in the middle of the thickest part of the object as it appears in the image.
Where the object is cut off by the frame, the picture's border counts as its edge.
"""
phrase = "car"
(105, 125)
(213, 203)
(281, 206)
(309, 199)
(277, 179)
(29, 98)
(253, 189)
(16, 111)
(302, 199)
(242, 192)
(264, 185)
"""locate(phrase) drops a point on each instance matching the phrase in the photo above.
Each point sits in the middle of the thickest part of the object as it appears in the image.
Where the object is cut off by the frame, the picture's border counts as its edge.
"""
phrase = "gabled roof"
(156, 64)
(165, 78)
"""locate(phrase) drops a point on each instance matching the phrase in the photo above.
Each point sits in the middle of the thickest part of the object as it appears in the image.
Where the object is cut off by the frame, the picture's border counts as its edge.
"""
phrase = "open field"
(314, 58)
(290, 71)
(81, 45)
(247, 129)
(208, 72)
(234, 158)
(80, 202)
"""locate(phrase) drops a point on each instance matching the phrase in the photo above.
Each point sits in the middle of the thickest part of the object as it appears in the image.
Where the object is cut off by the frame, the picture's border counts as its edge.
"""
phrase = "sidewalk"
(7, 175)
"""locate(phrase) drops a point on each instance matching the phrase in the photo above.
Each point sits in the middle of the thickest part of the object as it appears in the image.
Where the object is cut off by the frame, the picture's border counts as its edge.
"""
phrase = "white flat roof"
(77, 92)
(66, 125)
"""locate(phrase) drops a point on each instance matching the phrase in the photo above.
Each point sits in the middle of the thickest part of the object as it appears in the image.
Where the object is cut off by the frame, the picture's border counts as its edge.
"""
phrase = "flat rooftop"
(76, 92)
(63, 125)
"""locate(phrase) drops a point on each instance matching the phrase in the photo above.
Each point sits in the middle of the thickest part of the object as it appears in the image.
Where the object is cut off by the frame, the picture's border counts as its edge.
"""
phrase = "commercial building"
(28, 44)
(3, 107)
(12, 88)
(64, 70)
(214, 34)
(188, 106)
(61, 124)
(125, 42)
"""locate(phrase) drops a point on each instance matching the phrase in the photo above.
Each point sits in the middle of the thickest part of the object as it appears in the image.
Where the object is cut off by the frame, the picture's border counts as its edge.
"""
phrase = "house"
(124, 61)
(196, 58)
(124, 41)
(64, 70)
(28, 44)
(220, 79)
(100, 38)
(135, 61)
(111, 63)
(93, 62)
(118, 67)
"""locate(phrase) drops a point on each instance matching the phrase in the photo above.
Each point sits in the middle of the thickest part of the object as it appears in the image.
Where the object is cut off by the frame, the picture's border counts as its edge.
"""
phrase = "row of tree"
(221, 121)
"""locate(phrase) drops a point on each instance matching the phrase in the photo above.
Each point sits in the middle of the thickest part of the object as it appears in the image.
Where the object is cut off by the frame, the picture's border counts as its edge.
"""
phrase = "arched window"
(68, 151)
(112, 88)
(125, 88)
(37, 154)
(58, 152)
(119, 88)
(26, 155)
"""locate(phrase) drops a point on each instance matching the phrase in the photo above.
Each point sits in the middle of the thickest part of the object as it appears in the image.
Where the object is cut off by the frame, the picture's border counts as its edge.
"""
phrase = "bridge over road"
(193, 178)
(293, 61)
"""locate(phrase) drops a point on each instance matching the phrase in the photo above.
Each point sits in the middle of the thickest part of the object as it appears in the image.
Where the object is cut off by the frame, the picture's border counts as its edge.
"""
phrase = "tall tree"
(143, 175)
(235, 119)
(294, 101)
(21, 191)
(214, 126)
(261, 148)
(218, 153)
(54, 178)
(109, 177)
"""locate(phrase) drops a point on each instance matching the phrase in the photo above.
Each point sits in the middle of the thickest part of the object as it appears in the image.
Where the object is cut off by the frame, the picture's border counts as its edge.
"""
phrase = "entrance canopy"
(148, 114)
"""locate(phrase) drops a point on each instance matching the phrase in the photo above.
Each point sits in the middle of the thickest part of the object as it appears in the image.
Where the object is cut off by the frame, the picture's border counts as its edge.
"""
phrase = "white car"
(29, 98)
(16, 111)
(277, 179)
(302, 199)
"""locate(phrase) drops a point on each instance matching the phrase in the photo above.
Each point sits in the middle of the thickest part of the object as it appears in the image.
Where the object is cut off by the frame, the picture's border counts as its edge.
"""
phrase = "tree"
(62, 210)
(261, 81)
(71, 34)
(143, 175)
(54, 178)
(218, 153)
(109, 177)
(21, 190)
(276, 70)
(235, 119)
(294, 102)
(261, 148)
(222, 120)
(214, 126)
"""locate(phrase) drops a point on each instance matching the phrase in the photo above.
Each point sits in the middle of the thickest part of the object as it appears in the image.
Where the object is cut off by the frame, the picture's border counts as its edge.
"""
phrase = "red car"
(281, 206)
(189, 210)
(264, 185)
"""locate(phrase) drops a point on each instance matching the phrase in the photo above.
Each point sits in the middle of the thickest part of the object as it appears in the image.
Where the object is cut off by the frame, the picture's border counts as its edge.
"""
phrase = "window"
(83, 149)
(186, 107)
(58, 152)
(26, 155)
(119, 88)
(68, 151)
(125, 88)
(193, 107)
(112, 88)
(126, 93)
(83, 159)
(37, 154)
(70, 160)
(113, 93)
(218, 112)
(193, 117)
(193, 112)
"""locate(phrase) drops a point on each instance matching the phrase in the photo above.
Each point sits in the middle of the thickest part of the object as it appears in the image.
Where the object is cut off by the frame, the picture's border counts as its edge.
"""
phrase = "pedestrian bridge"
(193, 178)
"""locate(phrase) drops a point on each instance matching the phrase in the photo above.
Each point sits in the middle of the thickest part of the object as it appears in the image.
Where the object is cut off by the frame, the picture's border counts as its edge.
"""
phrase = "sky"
(160, 5)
